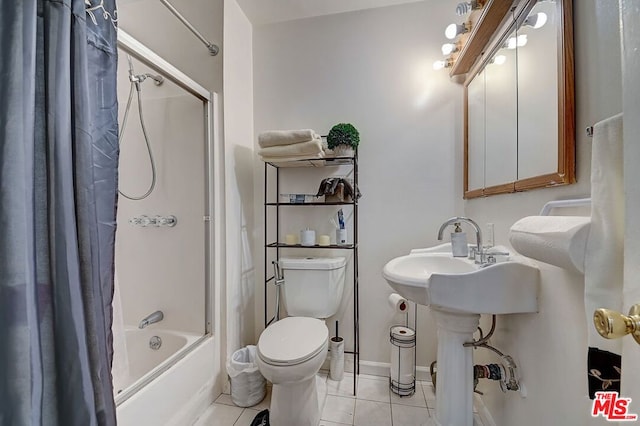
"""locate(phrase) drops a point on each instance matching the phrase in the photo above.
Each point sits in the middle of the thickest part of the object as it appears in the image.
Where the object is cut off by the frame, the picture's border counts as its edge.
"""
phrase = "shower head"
(137, 79)
(157, 79)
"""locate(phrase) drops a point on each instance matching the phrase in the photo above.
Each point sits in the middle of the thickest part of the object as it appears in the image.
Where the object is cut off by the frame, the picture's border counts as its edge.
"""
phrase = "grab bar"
(578, 202)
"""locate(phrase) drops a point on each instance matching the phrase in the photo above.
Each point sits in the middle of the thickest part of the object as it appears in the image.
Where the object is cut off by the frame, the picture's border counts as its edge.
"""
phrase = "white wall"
(238, 124)
(550, 347)
(373, 69)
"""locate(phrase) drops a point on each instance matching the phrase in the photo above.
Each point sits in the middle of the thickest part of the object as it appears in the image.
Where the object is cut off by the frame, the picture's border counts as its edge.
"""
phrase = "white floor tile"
(265, 403)
(224, 399)
(415, 400)
(429, 394)
(246, 417)
(373, 390)
(339, 409)
(405, 415)
(341, 388)
(219, 415)
(321, 385)
(371, 413)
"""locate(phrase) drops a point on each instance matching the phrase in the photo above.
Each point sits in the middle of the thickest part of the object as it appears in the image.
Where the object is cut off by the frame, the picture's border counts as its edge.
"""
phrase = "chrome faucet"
(478, 248)
(157, 316)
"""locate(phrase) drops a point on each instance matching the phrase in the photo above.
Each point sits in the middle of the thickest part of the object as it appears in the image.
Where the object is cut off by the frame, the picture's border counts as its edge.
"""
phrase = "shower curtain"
(58, 180)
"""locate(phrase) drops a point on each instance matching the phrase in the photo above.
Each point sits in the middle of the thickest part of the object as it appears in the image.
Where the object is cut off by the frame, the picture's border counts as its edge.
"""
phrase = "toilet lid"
(292, 340)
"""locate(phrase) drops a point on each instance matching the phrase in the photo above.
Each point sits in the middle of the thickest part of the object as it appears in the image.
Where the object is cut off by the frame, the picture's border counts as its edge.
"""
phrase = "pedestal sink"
(458, 290)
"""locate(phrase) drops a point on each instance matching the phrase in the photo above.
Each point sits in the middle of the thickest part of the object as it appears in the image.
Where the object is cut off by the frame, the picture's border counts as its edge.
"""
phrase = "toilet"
(292, 350)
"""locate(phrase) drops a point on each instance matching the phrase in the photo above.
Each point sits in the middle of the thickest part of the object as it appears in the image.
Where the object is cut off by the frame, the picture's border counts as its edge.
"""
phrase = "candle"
(324, 240)
(291, 239)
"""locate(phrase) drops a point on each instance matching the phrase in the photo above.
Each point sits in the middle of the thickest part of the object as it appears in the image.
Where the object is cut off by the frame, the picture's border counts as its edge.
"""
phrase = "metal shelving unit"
(274, 208)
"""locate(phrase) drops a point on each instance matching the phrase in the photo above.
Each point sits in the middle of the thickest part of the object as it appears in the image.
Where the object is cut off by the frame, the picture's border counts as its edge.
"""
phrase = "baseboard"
(383, 369)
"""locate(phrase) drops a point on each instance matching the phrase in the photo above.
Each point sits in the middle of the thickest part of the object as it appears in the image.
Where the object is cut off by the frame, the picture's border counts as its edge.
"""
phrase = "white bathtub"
(145, 363)
(176, 390)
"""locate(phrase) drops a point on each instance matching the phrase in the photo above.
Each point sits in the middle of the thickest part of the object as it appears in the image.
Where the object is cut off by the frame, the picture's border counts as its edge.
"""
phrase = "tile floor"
(375, 405)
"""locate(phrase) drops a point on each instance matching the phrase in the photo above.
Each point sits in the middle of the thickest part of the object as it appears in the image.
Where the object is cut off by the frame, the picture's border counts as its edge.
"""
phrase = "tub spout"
(157, 316)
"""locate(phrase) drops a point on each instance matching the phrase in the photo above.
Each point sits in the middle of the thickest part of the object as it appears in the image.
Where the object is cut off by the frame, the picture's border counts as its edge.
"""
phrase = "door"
(630, 37)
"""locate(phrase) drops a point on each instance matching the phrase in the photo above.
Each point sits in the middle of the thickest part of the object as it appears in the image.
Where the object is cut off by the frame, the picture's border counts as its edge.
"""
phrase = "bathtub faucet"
(157, 316)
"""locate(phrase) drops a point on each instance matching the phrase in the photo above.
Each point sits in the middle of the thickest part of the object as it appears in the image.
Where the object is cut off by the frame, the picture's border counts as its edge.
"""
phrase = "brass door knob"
(613, 325)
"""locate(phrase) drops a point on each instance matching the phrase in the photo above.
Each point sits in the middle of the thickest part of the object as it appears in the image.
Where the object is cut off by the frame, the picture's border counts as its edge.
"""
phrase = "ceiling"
(270, 11)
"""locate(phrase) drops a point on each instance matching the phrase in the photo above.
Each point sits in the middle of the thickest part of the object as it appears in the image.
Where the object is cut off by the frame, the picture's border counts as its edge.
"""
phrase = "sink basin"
(433, 277)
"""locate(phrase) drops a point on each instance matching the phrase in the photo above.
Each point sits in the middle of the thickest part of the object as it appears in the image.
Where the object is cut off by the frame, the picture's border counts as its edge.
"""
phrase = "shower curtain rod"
(213, 49)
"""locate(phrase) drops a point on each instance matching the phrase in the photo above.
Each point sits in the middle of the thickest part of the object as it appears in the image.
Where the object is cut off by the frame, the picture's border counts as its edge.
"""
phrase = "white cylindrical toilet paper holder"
(402, 378)
(336, 365)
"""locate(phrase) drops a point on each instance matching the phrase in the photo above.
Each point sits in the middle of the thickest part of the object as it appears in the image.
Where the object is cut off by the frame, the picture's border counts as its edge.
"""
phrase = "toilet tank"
(313, 286)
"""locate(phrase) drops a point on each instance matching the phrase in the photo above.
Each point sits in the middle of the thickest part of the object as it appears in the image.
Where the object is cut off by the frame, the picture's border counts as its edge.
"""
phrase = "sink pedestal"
(454, 385)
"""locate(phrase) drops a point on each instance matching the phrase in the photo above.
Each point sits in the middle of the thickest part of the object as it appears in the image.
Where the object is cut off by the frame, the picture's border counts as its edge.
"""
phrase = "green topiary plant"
(343, 134)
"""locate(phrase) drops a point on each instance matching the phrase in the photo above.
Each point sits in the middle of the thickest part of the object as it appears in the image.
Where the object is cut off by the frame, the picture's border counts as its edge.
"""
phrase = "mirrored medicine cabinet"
(519, 125)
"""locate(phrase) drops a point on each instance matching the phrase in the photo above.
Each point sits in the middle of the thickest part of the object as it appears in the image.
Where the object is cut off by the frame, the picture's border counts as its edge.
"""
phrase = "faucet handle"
(491, 256)
(473, 252)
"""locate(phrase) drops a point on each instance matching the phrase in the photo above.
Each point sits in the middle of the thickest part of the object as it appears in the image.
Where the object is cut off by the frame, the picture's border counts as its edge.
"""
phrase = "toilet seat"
(292, 341)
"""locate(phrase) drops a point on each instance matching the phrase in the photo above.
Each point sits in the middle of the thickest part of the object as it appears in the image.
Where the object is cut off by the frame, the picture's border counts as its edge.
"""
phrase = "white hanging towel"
(603, 266)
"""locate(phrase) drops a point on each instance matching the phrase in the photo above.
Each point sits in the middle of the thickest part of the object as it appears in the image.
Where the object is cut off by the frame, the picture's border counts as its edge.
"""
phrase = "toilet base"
(295, 404)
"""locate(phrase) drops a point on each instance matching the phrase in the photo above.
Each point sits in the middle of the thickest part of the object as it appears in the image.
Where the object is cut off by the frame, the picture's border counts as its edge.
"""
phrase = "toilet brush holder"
(336, 366)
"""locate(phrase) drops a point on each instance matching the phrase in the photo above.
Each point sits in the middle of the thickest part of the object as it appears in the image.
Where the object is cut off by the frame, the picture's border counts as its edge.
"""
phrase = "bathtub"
(164, 389)
(145, 362)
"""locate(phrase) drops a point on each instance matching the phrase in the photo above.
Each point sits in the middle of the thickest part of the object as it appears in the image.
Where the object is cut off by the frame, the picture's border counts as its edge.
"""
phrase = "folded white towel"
(285, 137)
(310, 147)
(314, 157)
(604, 258)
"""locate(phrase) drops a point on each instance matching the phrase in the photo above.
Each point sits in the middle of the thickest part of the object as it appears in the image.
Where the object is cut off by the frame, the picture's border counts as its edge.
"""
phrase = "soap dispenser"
(459, 247)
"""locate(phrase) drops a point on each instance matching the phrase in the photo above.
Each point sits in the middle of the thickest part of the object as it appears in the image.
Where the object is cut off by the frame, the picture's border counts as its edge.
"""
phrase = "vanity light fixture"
(447, 63)
(467, 6)
(449, 48)
(514, 42)
(454, 30)
(536, 21)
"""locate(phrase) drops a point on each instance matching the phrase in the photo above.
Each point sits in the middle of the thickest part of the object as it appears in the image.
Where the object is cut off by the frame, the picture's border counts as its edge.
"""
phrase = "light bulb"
(514, 42)
(466, 7)
(522, 40)
(536, 21)
(500, 59)
(448, 48)
(438, 65)
(454, 30)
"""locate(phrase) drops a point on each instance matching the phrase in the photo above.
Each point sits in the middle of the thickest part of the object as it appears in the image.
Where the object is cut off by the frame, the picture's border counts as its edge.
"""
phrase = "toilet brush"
(336, 366)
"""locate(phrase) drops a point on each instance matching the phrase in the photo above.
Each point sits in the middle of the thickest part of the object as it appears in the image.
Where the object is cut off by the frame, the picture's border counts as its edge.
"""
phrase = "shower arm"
(213, 49)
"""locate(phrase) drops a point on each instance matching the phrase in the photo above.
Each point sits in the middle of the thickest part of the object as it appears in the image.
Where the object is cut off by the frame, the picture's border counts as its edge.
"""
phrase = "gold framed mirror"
(519, 105)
